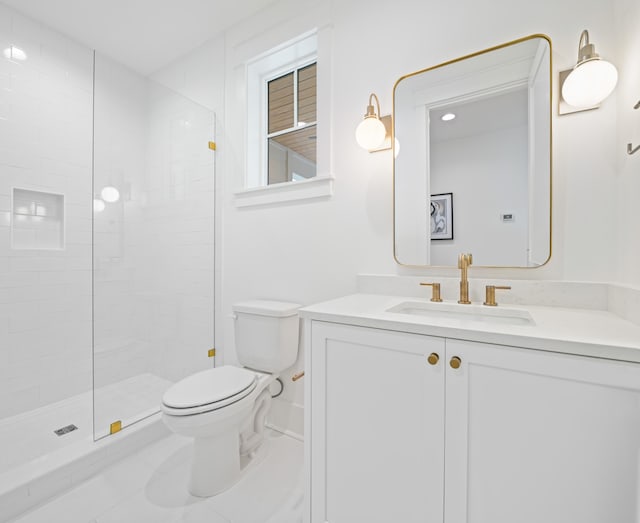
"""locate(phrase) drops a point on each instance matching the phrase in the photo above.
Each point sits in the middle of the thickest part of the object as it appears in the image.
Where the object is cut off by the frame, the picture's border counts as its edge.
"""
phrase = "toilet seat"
(209, 390)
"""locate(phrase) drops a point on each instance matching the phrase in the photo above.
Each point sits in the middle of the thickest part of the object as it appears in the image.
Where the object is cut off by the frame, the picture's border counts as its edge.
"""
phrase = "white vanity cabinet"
(376, 426)
(511, 435)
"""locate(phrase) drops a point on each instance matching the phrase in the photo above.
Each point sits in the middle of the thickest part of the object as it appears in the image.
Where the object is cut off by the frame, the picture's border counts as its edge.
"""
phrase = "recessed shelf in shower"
(37, 220)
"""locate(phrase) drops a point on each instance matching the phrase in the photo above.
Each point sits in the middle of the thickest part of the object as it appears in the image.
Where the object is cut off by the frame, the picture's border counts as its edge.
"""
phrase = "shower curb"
(45, 478)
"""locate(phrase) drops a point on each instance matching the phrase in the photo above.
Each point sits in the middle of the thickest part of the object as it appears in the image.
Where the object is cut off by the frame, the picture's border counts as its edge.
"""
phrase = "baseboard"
(287, 418)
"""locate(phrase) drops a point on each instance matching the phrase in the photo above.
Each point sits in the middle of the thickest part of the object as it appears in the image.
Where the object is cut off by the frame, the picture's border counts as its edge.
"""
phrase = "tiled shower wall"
(153, 249)
(176, 247)
(45, 147)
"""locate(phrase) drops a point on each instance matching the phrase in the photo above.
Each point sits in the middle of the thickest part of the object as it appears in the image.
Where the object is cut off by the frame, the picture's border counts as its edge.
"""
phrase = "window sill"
(317, 187)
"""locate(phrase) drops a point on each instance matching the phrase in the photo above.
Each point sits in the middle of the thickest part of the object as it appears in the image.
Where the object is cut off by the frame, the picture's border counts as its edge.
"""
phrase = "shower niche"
(37, 220)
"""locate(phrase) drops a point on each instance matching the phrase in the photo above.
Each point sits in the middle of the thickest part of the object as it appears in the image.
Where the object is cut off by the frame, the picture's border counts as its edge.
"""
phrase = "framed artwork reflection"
(441, 218)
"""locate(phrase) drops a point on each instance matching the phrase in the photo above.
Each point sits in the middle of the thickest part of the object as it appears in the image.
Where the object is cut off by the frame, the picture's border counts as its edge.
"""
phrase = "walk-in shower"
(106, 244)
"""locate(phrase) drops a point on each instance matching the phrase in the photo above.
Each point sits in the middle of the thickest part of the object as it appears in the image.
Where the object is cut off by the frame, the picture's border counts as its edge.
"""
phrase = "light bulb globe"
(110, 194)
(98, 205)
(590, 83)
(370, 133)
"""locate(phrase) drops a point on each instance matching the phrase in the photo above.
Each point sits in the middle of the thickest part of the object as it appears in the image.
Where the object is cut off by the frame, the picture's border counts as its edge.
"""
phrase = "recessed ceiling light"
(448, 117)
(14, 53)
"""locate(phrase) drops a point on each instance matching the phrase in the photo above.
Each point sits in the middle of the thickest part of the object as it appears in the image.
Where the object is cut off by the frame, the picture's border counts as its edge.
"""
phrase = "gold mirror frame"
(460, 59)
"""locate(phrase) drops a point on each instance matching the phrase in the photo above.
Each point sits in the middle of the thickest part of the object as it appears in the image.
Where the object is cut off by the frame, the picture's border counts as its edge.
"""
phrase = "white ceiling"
(142, 34)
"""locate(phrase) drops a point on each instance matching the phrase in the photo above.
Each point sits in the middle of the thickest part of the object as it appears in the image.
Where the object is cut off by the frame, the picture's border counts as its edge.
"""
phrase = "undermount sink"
(465, 313)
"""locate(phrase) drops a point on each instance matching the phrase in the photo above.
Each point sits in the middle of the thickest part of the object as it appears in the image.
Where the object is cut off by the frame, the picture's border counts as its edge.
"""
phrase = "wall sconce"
(374, 132)
(589, 82)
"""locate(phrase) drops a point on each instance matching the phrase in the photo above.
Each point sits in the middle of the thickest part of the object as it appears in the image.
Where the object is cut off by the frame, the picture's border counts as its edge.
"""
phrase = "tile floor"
(151, 486)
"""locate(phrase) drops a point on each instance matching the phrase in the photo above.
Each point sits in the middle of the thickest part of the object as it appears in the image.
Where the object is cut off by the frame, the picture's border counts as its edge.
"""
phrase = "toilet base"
(226, 440)
(216, 464)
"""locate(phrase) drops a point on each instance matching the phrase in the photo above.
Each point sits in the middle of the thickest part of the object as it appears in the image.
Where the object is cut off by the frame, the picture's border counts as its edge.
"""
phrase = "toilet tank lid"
(278, 309)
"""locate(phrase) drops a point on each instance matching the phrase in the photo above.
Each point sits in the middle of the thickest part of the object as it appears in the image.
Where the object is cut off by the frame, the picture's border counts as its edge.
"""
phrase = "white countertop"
(583, 332)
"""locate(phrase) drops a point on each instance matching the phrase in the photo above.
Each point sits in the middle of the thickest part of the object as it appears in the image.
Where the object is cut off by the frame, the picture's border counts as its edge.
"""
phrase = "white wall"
(312, 250)
(626, 211)
(45, 145)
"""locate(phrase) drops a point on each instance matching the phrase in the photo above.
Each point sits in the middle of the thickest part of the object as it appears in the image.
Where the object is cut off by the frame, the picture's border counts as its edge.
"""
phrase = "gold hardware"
(435, 292)
(433, 358)
(116, 426)
(211, 353)
(464, 260)
(212, 146)
(490, 298)
(455, 362)
(297, 376)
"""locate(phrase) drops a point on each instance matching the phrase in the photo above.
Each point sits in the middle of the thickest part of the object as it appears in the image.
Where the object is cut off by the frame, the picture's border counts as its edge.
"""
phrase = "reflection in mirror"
(478, 130)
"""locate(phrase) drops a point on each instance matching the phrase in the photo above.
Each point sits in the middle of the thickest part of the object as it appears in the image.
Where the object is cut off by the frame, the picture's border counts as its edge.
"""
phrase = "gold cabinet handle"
(455, 362)
(433, 358)
(297, 376)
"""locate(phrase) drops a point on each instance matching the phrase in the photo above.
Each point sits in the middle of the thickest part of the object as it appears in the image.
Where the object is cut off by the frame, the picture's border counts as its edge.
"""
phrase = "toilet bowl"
(224, 408)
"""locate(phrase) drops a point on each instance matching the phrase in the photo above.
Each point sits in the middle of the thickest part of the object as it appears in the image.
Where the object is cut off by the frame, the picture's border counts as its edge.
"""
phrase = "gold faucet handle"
(490, 298)
(435, 291)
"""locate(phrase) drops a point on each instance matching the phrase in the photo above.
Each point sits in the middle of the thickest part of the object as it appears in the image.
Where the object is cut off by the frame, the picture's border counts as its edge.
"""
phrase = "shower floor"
(30, 436)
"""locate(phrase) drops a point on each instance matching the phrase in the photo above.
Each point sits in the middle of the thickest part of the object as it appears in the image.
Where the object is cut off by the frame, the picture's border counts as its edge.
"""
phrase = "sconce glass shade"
(370, 133)
(98, 205)
(590, 83)
(110, 194)
(592, 79)
(14, 53)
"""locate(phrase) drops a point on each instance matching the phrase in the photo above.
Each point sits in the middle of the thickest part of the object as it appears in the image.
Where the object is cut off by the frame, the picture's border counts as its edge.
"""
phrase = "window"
(281, 114)
(291, 125)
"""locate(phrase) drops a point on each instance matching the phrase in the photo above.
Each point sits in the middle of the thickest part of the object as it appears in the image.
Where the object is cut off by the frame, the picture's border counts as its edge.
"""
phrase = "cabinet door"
(536, 437)
(376, 426)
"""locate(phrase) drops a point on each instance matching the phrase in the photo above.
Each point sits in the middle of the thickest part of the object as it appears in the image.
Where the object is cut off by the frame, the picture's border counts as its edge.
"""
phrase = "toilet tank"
(266, 334)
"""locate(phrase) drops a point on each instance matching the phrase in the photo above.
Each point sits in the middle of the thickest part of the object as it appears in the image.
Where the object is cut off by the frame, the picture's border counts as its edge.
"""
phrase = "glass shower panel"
(153, 243)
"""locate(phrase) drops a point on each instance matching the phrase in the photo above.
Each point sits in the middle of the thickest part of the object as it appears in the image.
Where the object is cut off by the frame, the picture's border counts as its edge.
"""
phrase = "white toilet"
(225, 408)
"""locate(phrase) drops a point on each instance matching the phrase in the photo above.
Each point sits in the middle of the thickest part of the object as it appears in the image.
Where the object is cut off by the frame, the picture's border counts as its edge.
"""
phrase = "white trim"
(317, 187)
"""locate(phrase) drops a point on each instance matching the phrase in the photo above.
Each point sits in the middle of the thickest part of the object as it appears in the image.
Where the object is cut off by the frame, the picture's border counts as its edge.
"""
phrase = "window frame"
(302, 49)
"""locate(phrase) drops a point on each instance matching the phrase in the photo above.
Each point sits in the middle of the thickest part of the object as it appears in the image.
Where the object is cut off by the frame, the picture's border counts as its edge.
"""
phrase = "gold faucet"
(464, 260)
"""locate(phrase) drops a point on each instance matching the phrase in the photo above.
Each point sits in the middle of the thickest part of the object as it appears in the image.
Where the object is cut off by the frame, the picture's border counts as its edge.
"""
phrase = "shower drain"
(65, 430)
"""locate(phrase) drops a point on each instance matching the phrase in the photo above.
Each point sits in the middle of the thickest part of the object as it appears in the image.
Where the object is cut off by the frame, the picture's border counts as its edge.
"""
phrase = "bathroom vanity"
(439, 412)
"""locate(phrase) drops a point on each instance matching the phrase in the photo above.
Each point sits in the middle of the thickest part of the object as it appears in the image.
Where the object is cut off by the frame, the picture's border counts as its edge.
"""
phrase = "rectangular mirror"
(472, 168)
